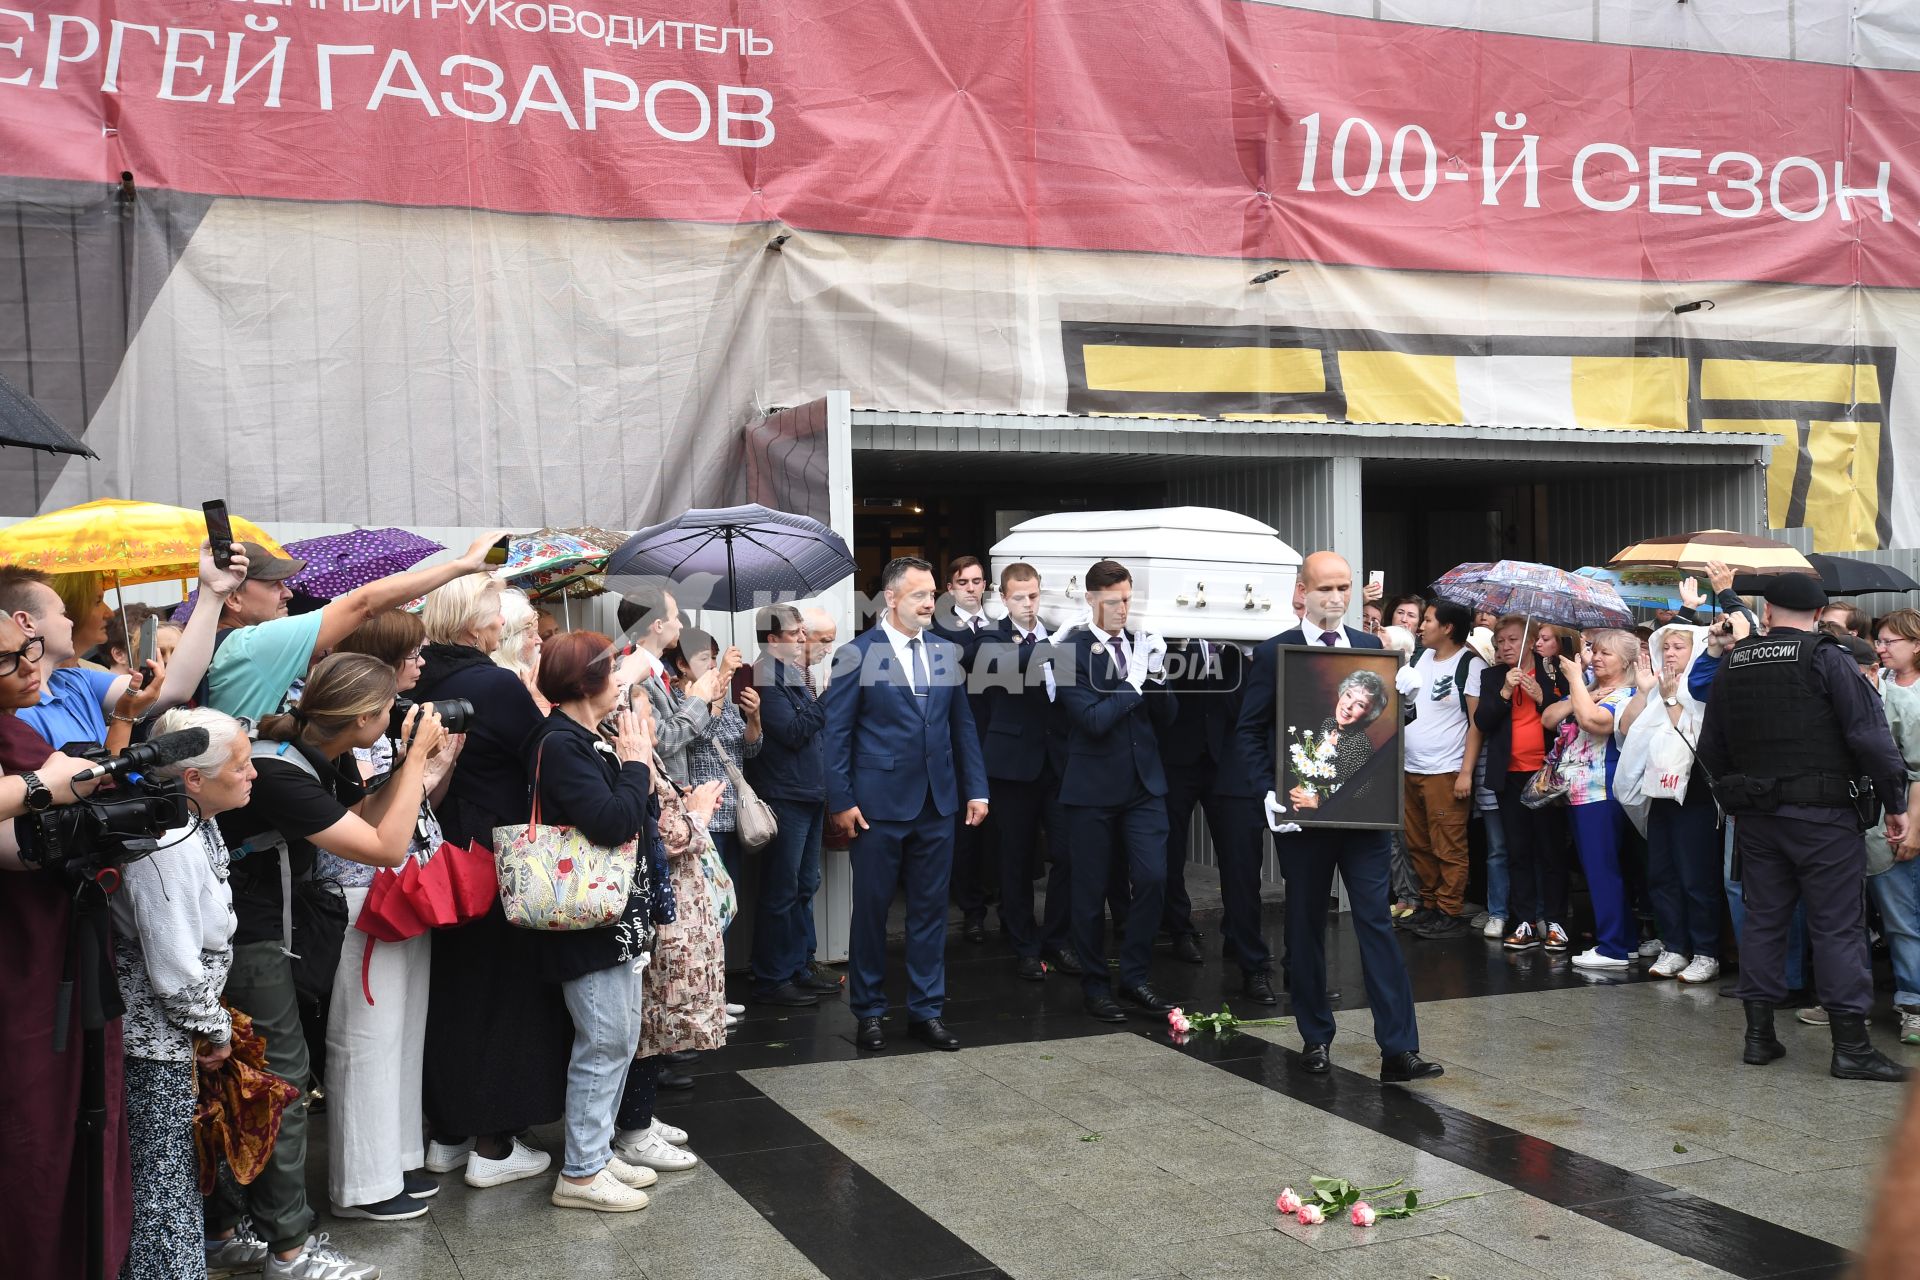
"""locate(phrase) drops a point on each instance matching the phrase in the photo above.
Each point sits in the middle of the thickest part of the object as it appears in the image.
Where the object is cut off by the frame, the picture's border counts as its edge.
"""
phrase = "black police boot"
(1854, 1057)
(1762, 1045)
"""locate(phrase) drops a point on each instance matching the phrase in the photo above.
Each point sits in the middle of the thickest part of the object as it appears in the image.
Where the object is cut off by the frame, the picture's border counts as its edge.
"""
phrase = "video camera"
(117, 821)
(455, 715)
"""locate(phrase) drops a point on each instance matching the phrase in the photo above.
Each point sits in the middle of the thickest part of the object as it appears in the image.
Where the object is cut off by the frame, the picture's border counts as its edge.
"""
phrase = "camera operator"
(80, 704)
(377, 1016)
(173, 943)
(43, 1189)
(306, 799)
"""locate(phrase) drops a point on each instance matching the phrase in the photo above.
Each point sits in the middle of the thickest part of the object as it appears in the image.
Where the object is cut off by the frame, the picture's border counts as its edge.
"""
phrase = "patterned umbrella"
(1537, 591)
(745, 556)
(579, 579)
(1689, 552)
(341, 562)
(546, 551)
(1639, 592)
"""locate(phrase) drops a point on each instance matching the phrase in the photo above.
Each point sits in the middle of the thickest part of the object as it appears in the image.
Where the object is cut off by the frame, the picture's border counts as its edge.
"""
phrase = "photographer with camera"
(307, 798)
(173, 943)
(377, 1019)
(43, 1182)
(498, 1034)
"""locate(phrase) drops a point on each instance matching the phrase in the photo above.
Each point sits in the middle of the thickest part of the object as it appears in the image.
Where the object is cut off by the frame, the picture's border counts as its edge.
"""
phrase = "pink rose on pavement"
(1177, 1019)
(1310, 1215)
(1363, 1215)
(1288, 1203)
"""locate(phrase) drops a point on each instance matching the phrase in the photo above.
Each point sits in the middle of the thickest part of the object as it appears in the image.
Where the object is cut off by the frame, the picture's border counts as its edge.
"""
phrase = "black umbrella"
(1843, 576)
(24, 422)
(743, 556)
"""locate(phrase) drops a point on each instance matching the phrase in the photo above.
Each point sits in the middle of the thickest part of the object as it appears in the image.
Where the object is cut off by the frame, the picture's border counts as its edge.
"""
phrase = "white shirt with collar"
(899, 640)
(1129, 646)
(1312, 633)
(1039, 634)
(976, 620)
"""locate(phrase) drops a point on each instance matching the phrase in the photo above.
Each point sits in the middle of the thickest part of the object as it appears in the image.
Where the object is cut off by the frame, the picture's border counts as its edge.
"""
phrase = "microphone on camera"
(168, 748)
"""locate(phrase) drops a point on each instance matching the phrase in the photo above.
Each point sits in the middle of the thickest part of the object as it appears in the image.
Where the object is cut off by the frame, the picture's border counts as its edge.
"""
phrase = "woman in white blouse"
(173, 923)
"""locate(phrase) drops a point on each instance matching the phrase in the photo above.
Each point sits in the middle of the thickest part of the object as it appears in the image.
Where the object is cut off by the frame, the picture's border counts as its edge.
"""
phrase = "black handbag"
(319, 929)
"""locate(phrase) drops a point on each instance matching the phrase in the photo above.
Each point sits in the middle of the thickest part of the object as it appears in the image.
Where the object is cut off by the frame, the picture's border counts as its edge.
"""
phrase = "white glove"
(1274, 810)
(1137, 674)
(1407, 682)
(1153, 649)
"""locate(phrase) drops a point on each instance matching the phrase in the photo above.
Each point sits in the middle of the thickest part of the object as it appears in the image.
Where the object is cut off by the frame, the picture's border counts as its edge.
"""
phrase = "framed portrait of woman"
(1339, 752)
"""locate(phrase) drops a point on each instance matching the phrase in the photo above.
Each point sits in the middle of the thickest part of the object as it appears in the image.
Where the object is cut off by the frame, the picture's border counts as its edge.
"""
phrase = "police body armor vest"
(1783, 735)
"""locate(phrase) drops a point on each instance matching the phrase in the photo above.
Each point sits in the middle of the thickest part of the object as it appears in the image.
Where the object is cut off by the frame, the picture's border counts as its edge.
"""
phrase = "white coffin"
(1198, 572)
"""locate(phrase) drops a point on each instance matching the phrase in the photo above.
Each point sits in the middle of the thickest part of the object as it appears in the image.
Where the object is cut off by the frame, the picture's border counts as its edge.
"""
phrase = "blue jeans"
(1896, 891)
(810, 876)
(783, 916)
(605, 1007)
(1496, 862)
(1796, 931)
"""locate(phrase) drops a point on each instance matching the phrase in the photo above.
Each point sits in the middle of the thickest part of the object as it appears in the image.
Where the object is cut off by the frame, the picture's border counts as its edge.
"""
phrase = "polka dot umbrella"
(341, 562)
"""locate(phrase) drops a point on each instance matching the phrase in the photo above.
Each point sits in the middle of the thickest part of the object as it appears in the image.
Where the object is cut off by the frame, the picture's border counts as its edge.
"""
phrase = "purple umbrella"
(751, 555)
(341, 562)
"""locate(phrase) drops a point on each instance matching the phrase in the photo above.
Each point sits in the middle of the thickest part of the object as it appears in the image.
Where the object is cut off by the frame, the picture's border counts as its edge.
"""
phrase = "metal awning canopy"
(1154, 442)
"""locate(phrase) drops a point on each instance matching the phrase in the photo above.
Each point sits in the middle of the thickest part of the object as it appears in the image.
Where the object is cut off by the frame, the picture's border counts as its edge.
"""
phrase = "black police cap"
(1799, 592)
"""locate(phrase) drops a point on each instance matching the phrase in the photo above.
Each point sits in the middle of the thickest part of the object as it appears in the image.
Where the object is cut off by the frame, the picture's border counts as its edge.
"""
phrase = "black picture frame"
(1366, 795)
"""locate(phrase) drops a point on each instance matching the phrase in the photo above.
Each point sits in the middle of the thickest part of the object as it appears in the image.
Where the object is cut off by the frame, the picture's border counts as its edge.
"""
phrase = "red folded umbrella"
(454, 886)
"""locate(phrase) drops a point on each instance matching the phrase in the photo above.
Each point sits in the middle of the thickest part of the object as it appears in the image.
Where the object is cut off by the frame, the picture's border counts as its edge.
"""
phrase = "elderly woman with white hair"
(498, 1035)
(1587, 767)
(173, 944)
(520, 641)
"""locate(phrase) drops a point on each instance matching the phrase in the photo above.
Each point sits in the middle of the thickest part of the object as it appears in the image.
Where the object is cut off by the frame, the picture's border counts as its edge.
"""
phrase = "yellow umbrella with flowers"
(132, 542)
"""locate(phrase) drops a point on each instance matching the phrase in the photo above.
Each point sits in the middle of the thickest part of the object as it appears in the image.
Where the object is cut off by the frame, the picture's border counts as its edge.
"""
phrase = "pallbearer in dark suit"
(902, 760)
(1025, 746)
(1205, 767)
(975, 878)
(1308, 859)
(1114, 789)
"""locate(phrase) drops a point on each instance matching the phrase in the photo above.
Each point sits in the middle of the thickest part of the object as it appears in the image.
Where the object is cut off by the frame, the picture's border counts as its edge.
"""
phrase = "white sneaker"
(1668, 965)
(655, 1152)
(605, 1193)
(442, 1158)
(1909, 1024)
(730, 1020)
(522, 1162)
(1652, 947)
(1703, 969)
(636, 1176)
(319, 1260)
(1594, 960)
(240, 1252)
(1495, 927)
(678, 1137)
(736, 1010)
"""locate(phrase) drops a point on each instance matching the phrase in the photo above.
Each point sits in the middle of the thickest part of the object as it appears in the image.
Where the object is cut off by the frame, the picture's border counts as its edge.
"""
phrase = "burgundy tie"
(1329, 639)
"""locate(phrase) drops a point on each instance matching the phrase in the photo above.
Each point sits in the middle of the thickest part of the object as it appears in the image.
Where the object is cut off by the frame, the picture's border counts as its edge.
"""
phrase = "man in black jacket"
(1308, 859)
(1205, 768)
(1024, 742)
(974, 862)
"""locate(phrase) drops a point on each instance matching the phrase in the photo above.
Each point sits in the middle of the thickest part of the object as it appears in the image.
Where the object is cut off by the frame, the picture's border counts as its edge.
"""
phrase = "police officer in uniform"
(1794, 740)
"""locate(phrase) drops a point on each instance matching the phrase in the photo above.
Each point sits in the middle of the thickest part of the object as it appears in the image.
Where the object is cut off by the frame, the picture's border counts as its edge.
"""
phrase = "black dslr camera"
(455, 714)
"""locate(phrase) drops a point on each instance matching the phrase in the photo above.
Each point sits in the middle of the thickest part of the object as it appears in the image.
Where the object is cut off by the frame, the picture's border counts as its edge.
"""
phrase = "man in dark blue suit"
(1113, 788)
(1205, 767)
(975, 879)
(1025, 744)
(1308, 859)
(902, 759)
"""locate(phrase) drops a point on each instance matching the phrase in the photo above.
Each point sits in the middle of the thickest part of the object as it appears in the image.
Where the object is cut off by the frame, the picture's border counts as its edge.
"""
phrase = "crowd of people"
(965, 754)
